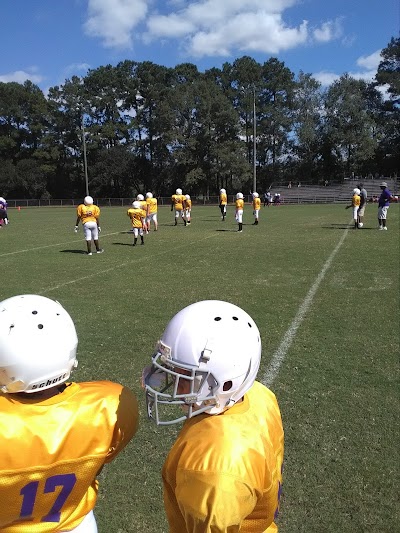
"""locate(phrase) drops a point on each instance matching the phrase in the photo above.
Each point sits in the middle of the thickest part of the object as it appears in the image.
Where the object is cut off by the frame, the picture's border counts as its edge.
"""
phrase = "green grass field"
(326, 300)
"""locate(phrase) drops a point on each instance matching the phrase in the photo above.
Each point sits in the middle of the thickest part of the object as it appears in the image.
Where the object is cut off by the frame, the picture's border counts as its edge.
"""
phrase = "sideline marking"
(279, 356)
(133, 260)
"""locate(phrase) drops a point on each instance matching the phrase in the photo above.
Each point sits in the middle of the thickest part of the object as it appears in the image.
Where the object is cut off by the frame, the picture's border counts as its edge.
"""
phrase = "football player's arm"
(126, 424)
(211, 502)
(172, 204)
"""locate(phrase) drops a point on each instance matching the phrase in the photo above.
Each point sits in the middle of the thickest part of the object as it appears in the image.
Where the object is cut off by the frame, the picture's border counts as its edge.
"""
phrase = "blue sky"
(48, 41)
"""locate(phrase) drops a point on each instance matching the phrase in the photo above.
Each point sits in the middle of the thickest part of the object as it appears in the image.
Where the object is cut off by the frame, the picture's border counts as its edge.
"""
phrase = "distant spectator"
(299, 184)
(267, 199)
(277, 198)
(326, 183)
(363, 203)
(383, 205)
(289, 185)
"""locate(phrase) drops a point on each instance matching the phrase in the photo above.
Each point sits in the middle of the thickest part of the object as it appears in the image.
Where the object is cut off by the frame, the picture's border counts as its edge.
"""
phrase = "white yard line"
(279, 356)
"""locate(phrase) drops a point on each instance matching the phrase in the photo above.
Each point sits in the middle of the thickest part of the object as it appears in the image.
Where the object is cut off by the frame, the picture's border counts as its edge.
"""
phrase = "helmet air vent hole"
(34, 312)
(235, 318)
(217, 318)
(227, 385)
(250, 326)
(40, 326)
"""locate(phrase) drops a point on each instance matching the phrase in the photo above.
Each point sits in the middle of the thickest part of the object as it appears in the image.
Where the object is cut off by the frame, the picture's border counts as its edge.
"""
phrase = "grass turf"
(337, 386)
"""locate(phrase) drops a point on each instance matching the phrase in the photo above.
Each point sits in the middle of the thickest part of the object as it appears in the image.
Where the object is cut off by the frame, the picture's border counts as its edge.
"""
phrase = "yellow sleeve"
(211, 502)
(126, 424)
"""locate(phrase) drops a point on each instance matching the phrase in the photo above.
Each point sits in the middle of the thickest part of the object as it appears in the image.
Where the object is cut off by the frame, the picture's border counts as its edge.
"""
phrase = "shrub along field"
(326, 300)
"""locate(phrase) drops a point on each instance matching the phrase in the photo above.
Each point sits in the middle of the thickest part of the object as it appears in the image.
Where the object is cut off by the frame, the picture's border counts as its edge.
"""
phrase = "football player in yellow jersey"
(223, 201)
(224, 471)
(188, 208)
(177, 202)
(55, 435)
(239, 204)
(256, 207)
(152, 208)
(89, 215)
(145, 207)
(355, 205)
(138, 220)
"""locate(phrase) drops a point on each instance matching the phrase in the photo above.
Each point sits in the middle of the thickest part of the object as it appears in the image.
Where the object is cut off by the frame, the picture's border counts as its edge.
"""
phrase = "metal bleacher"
(328, 194)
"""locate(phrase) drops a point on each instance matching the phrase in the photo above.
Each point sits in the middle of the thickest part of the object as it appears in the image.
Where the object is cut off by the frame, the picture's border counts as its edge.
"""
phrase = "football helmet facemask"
(206, 360)
(38, 344)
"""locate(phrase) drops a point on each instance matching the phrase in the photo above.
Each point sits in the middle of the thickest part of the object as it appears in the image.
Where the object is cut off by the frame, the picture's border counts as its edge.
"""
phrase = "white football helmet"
(356, 191)
(239, 196)
(149, 195)
(136, 204)
(222, 191)
(255, 195)
(88, 200)
(38, 344)
(178, 191)
(206, 360)
(187, 196)
(140, 197)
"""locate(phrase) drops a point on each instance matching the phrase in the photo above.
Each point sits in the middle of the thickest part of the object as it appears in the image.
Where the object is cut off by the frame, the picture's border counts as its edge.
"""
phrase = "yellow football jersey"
(256, 204)
(355, 201)
(224, 472)
(88, 213)
(136, 216)
(177, 200)
(52, 450)
(223, 200)
(188, 203)
(239, 204)
(152, 205)
(143, 205)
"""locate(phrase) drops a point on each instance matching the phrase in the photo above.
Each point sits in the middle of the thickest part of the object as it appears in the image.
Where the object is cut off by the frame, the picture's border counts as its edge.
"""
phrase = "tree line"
(146, 127)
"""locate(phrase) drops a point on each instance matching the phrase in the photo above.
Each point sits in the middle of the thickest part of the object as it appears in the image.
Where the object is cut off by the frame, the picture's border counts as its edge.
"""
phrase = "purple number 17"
(29, 493)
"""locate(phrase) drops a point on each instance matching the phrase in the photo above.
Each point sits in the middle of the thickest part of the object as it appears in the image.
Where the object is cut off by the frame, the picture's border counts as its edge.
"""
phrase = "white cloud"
(215, 27)
(20, 76)
(368, 67)
(73, 68)
(370, 62)
(113, 21)
(328, 31)
(205, 27)
(326, 78)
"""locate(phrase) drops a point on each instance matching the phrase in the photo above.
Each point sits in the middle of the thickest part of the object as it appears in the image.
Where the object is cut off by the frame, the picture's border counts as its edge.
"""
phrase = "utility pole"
(254, 142)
